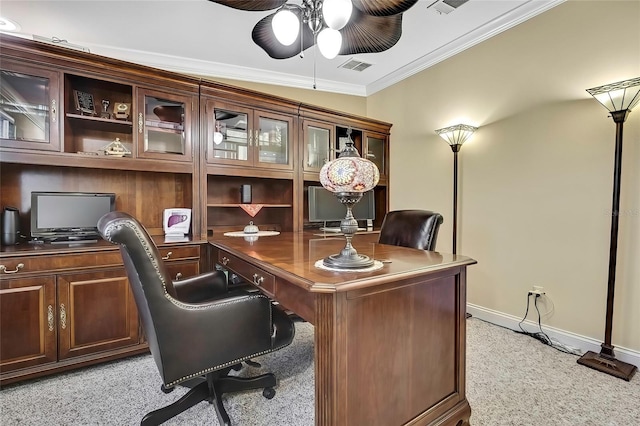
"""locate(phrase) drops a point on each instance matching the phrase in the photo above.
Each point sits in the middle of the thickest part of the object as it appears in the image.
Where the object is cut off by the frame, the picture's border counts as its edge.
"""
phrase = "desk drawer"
(179, 252)
(257, 276)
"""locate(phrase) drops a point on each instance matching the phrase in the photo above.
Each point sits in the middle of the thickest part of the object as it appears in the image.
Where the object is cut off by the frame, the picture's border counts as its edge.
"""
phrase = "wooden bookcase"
(168, 123)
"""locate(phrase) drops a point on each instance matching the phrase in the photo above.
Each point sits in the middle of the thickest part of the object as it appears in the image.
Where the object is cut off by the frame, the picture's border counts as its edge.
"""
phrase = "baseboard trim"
(577, 341)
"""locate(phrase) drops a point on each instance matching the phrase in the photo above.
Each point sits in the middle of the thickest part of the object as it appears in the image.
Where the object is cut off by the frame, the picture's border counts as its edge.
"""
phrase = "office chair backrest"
(411, 228)
(148, 277)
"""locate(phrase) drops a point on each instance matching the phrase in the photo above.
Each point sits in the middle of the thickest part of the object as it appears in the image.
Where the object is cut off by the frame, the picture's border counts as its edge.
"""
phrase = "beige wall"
(536, 179)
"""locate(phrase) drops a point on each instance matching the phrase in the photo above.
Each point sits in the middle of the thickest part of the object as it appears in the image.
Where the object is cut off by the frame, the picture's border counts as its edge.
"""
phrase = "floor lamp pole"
(606, 360)
(455, 149)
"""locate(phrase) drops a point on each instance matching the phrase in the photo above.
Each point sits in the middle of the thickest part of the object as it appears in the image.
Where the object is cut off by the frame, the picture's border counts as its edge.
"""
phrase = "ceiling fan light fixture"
(336, 13)
(286, 26)
(329, 42)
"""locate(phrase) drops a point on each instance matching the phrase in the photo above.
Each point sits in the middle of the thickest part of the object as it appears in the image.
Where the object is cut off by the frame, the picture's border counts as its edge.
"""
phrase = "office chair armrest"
(201, 287)
(224, 331)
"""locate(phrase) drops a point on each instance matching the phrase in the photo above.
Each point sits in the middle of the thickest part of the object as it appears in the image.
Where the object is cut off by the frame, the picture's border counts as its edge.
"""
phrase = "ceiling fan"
(342, 27)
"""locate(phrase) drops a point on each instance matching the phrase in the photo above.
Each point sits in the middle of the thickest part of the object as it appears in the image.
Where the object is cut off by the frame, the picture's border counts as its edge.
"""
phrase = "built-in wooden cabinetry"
(188, 142)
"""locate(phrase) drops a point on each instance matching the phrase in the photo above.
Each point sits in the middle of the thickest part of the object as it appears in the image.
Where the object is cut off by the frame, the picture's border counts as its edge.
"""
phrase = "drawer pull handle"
(225, 260)
(257, 280)
(167, 256)
(3, 268)
(178, 276)
(50, 317)
(63, 316)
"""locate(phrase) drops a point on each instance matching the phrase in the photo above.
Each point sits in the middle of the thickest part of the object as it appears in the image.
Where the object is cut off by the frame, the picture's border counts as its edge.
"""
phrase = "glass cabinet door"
(164, 126)
(317, 145)
(29, 107)
(375, 152)
(272, 140)
(229, 134)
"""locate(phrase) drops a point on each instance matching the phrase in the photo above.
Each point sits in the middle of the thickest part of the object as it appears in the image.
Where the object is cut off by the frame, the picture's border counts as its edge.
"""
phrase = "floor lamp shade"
(455, 136)
(618, 98)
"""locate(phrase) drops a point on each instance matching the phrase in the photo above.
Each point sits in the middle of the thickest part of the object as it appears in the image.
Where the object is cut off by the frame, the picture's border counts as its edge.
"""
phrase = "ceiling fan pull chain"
(315, 56)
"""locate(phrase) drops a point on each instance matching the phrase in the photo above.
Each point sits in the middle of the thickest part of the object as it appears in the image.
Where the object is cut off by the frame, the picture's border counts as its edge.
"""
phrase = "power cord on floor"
(541, 335)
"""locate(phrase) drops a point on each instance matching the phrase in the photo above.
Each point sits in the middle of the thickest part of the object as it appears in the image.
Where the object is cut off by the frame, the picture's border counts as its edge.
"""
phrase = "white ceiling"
(204, 38)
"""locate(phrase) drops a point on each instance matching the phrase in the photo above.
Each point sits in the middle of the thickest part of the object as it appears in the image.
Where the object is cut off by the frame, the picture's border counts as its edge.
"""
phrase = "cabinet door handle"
(140, 123)
(250, 137)
(178, 276)
(256, 137)
(257, 280)
(167, 256)
(3, 268)
(50, 317)
(225, 261)
(63, 316)
(54, 111)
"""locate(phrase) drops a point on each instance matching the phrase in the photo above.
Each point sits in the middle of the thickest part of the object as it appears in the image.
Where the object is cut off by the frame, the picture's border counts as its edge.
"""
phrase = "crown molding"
(219, 70)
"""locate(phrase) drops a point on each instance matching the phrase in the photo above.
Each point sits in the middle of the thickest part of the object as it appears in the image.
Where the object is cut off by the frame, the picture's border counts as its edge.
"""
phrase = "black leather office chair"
(411, 228)
(197, 330)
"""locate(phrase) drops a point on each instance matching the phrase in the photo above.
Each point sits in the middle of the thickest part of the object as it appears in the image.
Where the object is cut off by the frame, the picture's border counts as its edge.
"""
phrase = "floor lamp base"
(609, 365)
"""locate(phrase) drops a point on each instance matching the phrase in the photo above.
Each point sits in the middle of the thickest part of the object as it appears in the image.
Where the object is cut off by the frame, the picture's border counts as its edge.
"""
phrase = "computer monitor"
(324, 206)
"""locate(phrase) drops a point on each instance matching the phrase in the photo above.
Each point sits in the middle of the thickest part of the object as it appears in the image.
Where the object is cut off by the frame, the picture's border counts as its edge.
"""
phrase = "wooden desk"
(389, 344)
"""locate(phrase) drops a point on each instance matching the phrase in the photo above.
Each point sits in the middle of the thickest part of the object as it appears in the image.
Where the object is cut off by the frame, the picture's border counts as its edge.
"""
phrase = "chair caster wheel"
(269, 393)
(165, 389)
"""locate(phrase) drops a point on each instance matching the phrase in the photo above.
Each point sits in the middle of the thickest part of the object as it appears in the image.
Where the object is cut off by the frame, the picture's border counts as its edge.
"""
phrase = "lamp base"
(608, 364)
(354, 261)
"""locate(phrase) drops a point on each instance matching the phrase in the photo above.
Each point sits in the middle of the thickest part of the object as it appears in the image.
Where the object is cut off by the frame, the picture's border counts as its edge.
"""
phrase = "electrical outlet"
(539, 290)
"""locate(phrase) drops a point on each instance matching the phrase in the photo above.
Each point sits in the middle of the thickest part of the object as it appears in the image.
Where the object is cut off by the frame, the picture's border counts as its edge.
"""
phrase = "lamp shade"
(329, 42)
(349, 173)
(456, 135)
(286, 26)
(618, 96)
(336, 13)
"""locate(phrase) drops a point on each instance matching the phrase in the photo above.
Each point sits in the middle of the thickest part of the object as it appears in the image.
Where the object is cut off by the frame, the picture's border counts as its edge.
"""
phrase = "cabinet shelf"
(238, 205)
(99, 119)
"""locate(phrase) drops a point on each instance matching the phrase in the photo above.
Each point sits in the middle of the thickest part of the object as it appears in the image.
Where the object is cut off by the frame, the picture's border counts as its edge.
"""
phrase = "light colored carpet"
(512, 379)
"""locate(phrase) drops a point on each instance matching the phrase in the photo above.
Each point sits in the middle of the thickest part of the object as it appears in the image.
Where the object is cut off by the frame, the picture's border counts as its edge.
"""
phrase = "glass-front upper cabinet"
(317, 146)
(244, 136)
(375, 150)
(164, 125)
(29, 107)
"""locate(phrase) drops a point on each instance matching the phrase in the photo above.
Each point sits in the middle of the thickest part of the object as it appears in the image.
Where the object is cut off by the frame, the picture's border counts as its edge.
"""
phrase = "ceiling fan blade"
(253, 5)
(383, 7)
(264, 37)
(370, 34)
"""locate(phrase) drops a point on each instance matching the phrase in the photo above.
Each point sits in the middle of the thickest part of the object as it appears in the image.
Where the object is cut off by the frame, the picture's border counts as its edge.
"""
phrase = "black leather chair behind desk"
(411, 228)
(195, 327)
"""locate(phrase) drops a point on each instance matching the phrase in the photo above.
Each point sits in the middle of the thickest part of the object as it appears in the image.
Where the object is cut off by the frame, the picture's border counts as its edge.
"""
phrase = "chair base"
(211, 390)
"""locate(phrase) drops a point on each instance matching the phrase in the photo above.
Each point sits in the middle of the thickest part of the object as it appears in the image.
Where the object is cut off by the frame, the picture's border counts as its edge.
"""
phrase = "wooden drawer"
(172, 253)
(180, 270)
(62, 262)
(24, 265)
(264, 280)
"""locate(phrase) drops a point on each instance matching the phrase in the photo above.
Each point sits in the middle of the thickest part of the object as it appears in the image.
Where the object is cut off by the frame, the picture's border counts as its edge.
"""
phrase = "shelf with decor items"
(272, 200)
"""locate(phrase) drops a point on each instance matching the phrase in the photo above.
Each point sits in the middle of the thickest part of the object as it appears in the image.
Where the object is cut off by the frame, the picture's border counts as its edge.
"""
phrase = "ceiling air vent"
(446, 6)
(354, 65)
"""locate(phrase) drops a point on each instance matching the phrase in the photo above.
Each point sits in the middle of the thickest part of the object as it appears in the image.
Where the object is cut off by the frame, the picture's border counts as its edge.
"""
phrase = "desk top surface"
(292, 256)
